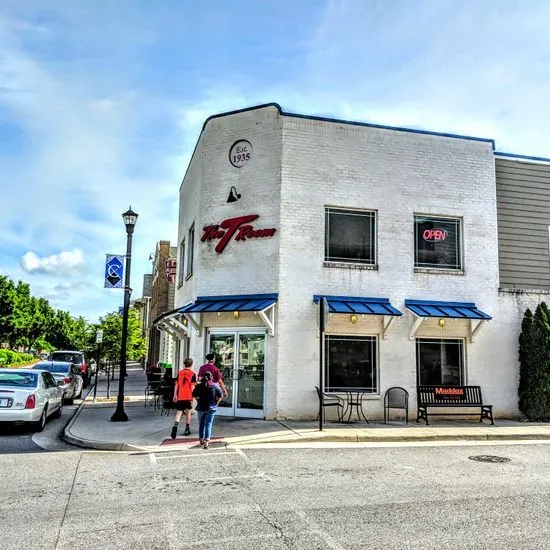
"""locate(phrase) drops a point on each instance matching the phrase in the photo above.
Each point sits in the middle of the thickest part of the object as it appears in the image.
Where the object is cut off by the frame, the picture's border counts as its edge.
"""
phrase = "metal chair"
(153, 382)
(396, 398)
(330, 400)
(166, 392)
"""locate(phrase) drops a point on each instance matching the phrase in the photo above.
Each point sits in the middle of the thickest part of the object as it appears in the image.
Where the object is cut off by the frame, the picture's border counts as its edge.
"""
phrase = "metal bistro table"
(354, 398)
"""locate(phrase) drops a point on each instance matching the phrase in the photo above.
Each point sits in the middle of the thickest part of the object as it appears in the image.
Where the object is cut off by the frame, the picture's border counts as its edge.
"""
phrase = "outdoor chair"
(166, 391)
(396, 398)
(153, 382)
(330, 400)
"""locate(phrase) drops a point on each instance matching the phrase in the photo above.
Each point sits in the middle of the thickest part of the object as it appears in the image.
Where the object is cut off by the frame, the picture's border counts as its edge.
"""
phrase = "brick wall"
(299, 167)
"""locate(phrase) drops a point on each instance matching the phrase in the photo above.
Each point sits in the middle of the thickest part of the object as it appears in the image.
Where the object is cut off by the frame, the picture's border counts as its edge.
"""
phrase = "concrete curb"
(93, 444)
(331, 438)
(235, 442)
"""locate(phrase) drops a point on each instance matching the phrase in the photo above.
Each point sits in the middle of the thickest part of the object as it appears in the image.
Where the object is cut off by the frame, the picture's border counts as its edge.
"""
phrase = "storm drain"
(489, 458)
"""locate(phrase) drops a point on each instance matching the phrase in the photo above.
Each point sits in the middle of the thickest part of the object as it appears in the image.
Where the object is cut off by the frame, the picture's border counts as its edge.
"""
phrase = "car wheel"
(59, 410)
(68, 401)
(39, 426)
(79, 396)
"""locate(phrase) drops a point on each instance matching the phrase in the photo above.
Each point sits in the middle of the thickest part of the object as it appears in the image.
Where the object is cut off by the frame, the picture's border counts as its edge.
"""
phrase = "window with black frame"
(190, 250)
(437, 242)
(350, 236)
(351, 363)
(181, 262)
(439, 362)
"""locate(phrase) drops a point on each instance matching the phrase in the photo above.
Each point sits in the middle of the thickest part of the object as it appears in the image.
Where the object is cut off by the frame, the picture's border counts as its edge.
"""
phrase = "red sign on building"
(171, 270)
(239, 228)
(434, 235)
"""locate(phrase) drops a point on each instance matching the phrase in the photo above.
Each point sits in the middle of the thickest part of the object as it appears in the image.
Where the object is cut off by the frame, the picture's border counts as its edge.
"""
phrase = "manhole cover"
(489, 458)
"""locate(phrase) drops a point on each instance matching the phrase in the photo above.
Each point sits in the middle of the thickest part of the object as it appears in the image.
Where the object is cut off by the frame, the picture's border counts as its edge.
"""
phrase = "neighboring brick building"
(162, 300)
(397, 227)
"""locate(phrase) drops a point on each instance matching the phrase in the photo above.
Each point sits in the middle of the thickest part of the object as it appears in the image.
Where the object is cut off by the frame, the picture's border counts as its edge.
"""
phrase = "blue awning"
(243, 302)
(363, 306)
(450, 310)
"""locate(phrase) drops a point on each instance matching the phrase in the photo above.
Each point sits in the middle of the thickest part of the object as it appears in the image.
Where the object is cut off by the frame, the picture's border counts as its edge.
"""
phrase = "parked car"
(28, 395)
(76, 357)
(67, 376)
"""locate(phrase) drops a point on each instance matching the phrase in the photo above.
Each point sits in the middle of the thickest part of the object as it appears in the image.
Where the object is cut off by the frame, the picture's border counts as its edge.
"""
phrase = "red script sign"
(234, 226)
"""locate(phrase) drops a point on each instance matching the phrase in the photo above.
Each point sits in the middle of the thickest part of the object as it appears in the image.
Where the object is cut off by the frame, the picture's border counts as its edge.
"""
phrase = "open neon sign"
(434, 235)
(239, 228)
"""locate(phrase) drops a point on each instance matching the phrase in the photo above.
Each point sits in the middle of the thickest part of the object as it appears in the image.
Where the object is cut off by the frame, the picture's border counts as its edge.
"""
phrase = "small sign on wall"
(240, 153)
(434, 235)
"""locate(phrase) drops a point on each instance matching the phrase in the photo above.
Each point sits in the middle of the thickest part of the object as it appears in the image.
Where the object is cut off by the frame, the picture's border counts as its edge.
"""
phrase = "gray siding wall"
(523, 206)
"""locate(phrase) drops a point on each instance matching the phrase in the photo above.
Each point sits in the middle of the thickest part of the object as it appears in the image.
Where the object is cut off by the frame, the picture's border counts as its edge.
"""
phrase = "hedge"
(9, 358)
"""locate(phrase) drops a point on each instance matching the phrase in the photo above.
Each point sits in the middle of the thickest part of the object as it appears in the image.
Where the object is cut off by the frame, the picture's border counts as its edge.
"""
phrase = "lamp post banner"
(114, 271)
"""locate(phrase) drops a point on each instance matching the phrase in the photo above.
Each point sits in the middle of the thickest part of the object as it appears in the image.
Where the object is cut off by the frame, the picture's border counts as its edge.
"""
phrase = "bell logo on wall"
(233, 195)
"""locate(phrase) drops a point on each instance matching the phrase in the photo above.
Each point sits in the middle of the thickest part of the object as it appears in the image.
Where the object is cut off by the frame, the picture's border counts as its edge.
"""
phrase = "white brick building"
(359, 212)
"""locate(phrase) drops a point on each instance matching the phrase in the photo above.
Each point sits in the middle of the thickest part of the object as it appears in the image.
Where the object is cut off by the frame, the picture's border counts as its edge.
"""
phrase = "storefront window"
(440, 362)
(350, 236)
(351, 363)
(437, 242)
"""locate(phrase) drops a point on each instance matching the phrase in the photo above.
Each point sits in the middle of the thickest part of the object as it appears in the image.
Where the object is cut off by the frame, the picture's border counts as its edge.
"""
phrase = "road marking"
(193, 455)
(319, 531)
(153, 458)
(241, 453)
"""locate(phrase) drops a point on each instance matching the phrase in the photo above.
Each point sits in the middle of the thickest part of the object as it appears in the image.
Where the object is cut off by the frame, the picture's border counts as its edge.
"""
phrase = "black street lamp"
(130, 219)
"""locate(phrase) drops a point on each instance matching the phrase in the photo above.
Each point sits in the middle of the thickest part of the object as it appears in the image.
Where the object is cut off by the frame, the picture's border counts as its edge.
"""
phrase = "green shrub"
(534, 358)
(9, 358)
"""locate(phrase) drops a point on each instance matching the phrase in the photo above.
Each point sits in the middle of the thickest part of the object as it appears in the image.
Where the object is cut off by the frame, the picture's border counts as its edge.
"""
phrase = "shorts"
(183, 405)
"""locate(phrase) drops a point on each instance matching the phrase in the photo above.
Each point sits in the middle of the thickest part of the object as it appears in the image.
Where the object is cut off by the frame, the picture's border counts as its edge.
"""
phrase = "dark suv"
(75, 357)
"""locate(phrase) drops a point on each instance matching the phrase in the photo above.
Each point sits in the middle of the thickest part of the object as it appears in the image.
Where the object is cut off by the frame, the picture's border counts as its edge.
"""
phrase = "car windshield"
(18, 379)
(66, 356)
(57, 369)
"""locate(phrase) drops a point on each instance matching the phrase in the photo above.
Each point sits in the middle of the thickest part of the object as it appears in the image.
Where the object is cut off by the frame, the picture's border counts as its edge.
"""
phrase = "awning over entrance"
(244, 302)
(353, 305)
(263, 304)
(424, 309)
(172, 323)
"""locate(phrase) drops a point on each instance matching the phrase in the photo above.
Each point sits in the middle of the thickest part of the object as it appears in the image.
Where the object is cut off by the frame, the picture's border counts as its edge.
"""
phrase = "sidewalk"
(148, 430)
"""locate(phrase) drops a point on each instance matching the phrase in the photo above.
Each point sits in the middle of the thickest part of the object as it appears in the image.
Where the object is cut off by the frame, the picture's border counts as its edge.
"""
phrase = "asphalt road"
(22, 439)
(338, 498)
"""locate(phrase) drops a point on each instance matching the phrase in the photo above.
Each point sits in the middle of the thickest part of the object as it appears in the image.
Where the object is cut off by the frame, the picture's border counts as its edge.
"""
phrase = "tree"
(21, 316)
(111, 325)
(7, 304)
(534, 358)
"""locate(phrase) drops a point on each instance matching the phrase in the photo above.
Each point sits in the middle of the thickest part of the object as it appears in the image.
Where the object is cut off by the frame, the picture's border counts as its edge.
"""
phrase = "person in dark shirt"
(208, 395)
(210, 367)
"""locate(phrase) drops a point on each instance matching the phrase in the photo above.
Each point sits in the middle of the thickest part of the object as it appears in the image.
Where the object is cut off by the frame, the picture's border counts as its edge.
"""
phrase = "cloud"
(103, 116)
(63, 263)
(64, 290)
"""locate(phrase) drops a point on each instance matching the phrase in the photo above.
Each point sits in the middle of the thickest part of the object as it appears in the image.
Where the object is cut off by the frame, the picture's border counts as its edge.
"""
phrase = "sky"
(101, 104)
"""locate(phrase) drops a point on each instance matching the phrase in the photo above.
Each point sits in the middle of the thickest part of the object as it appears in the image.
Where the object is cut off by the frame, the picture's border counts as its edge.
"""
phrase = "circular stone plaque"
(240, 153)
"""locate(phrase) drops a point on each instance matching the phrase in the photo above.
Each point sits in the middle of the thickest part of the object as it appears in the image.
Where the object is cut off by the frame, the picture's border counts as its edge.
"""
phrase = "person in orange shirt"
(183, 396)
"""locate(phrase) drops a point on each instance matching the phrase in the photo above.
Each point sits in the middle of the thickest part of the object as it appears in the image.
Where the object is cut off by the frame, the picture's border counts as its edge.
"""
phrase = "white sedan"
(29, 396)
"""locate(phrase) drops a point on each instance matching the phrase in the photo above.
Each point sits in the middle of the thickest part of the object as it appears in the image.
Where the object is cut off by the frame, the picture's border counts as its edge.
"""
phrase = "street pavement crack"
(288, 542)
(68, 500)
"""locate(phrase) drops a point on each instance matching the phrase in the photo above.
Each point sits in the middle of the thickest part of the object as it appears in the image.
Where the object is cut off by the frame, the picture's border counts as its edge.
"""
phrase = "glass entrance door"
(240, 355)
